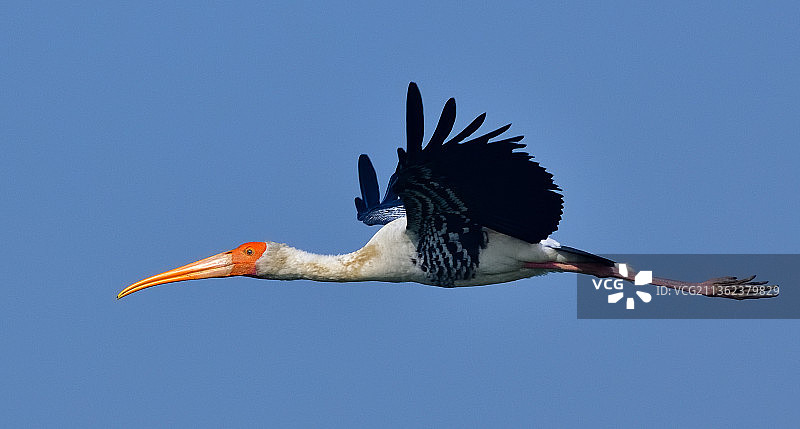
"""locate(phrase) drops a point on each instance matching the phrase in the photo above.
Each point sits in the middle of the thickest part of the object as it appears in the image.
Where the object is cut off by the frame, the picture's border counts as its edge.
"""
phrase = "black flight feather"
(486, 182)
(369, 208)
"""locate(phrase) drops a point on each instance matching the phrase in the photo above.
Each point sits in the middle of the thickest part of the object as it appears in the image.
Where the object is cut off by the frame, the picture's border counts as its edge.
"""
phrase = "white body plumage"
(390, 256)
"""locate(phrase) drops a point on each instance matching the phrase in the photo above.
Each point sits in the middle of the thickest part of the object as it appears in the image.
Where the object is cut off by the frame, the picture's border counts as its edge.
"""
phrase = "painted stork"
(443, 224)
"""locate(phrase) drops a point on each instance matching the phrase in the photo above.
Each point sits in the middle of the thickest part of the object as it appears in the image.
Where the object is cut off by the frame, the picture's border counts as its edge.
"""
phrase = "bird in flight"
(461, 211)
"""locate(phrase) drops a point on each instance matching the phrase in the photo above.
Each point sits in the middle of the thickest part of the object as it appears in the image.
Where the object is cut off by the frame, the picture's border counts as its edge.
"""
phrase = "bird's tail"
(571, 254)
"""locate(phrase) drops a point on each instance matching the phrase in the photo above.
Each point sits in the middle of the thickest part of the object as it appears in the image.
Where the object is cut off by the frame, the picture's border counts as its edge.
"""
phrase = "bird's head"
(241, 261)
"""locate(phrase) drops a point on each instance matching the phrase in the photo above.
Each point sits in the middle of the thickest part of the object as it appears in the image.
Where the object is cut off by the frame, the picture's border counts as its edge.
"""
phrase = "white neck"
(386, 257)
(282, 262)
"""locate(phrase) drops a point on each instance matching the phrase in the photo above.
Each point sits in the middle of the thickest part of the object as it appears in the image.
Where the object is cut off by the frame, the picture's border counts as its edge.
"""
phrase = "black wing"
(451, 190)
(369, 208)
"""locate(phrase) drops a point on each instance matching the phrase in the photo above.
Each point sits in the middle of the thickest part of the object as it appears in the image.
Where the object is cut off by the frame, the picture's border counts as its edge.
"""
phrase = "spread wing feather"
(451, 190)
(487, 182)
(369, 208)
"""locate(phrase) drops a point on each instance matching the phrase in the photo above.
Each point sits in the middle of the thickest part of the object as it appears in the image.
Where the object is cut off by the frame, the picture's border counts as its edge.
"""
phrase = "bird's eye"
(249, 252)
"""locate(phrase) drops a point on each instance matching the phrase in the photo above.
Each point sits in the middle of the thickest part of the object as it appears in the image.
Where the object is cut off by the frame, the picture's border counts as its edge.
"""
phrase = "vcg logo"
(642, 278)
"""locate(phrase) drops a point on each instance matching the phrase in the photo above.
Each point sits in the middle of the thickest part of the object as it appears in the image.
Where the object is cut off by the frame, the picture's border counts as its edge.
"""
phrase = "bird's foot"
(736, 288)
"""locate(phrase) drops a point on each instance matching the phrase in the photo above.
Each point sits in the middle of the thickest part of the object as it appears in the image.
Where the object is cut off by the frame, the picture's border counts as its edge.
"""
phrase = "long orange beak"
(221, 265)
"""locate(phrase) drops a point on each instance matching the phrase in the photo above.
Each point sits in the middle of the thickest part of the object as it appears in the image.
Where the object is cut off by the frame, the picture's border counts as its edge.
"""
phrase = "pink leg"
(722, 287)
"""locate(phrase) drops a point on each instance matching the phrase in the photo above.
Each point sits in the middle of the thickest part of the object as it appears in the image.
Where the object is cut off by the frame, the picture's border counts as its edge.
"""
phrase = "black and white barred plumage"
(448, 247)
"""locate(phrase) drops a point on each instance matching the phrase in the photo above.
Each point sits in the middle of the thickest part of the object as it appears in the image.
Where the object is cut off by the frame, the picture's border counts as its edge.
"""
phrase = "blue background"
(141, 136)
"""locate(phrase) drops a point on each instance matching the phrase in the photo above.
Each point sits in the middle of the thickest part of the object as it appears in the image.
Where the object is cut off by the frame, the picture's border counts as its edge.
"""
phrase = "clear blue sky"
(137, 138)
